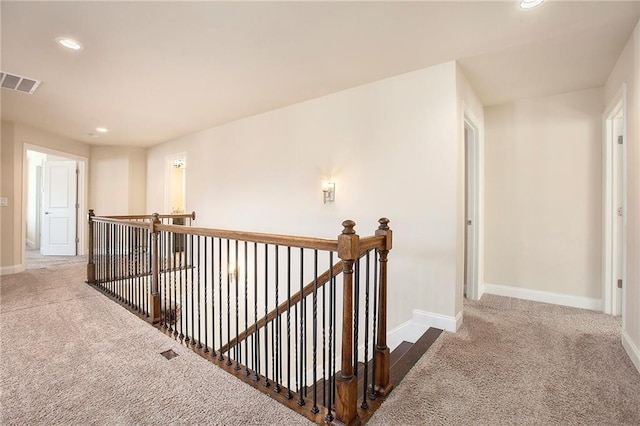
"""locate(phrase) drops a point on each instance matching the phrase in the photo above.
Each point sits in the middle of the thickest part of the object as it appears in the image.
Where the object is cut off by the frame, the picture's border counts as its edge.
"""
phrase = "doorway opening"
(471, 226)
(614, 207)
(53, 194)
(175, 187)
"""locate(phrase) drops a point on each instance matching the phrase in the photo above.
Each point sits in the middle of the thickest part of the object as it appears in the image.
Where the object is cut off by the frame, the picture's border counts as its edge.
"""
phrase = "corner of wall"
(632, 350)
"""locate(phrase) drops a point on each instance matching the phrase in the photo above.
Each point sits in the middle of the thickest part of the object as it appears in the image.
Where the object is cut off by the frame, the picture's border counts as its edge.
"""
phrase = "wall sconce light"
(329, 191)
(178, 163)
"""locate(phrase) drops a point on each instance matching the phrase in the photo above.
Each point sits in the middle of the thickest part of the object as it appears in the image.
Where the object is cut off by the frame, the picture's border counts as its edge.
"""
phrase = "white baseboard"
(411, 330)
(543, 296)
(13, 269)
(632, 350)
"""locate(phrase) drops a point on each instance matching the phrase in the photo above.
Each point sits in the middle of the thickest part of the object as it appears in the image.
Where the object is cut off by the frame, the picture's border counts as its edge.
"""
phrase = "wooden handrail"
(349, 246)
(282, 308)
(130, 223)
(191, 216)
(255, 237)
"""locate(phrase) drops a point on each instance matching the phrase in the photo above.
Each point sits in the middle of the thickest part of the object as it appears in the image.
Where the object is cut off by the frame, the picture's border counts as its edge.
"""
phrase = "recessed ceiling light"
(529, 4)
(69, 43)
(102, 129)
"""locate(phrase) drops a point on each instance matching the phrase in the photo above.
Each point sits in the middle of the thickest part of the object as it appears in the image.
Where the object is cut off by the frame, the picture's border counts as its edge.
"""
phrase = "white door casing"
(59, 212)
(471, 210)
(614, 207)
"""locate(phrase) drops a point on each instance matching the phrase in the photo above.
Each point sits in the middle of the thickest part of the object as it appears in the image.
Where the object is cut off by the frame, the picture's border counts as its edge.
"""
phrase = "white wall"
(627, 71)
(14, 138)
(391, 147)
(118, 180)
(543, 165)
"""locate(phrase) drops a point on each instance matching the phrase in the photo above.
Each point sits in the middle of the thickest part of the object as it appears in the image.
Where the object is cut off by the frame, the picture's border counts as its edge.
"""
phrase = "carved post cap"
(90, 215)
(193, 215)
(348, 227)
(156, 217)
(384, 224)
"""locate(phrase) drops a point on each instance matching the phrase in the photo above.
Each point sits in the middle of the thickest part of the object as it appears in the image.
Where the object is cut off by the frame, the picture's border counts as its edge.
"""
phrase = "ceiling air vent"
(18, 83)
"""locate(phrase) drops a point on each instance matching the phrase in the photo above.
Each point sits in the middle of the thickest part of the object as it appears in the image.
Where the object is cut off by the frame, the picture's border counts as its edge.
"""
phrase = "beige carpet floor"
(515, 362)
(71, 356)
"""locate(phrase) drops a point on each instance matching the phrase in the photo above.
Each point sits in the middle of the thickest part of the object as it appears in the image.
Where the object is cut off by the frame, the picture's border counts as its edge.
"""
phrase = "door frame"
(609, 211)
(472, 195)
(82, 200)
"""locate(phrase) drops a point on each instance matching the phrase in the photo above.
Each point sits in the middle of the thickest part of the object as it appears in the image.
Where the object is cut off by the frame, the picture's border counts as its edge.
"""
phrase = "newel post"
(91, 267)
(154, 305)
(347, 392)
(382, 384)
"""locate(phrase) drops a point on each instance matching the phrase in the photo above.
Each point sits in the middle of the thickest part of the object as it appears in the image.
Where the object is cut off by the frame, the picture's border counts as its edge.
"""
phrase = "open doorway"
(472, 202)
(54, 194)
(175, 187)
(614, 208)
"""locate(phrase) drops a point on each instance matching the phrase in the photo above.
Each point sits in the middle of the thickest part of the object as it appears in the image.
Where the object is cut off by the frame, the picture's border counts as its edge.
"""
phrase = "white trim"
(469, 123)
(82, 196)
(411, 330)
(544, 296)
(632, 349)
(608, 209)
(13, 269)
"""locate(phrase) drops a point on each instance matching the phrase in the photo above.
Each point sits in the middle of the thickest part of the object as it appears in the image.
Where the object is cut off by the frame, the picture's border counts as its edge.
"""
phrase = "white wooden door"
(59, 198)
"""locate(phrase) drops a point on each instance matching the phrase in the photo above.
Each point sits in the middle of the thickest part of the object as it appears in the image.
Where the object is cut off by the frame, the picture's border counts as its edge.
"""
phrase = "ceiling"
(154, 71)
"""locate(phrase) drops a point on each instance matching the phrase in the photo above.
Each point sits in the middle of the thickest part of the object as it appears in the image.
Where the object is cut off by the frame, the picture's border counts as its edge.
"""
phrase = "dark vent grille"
(18, 83)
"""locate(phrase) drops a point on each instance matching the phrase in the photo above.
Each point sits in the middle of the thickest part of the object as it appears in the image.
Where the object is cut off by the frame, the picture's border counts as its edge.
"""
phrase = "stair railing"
(203, 286)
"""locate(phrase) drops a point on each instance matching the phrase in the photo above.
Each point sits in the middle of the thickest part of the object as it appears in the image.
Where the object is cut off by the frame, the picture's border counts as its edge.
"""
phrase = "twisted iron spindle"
(315, 409)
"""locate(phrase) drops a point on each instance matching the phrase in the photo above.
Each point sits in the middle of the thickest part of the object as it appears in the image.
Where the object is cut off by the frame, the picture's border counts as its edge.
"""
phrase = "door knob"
(468, 222)
(46, 212)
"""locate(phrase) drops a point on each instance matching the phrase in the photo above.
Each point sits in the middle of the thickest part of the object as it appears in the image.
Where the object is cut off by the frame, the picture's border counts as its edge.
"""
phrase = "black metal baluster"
(302, 390)
(364, 404)
(129, 266)
(171, 312)
(275, 327)
(138, 266)
(204, 296)
(256, 333)
(228, 307)
(315, 409)
(198, 256)
(246, 310)
(356, 315)
(295, 348)
(329, 392)
(192, 266)
(372, 394)
(213, 298)
(183, 306)
(266, 311)
(220, 327)
(237, 352)
(288, 395)
(335, 336)
(324, 343)
(174, 280)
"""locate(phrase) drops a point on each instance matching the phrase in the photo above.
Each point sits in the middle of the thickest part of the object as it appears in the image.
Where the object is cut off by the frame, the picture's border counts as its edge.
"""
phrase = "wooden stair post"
(91, 266)
(346, 386)
(382, 383)
(154, 300)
